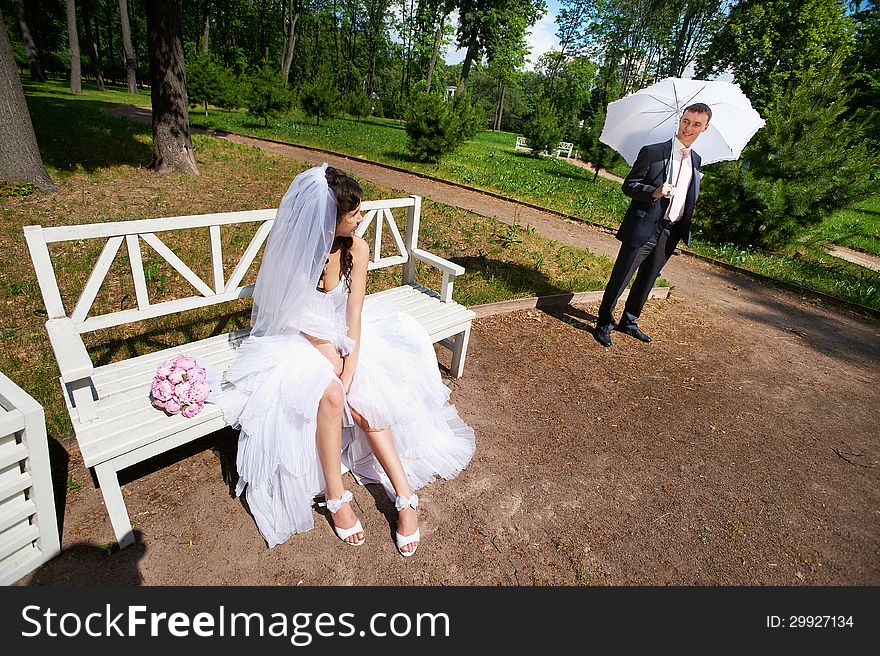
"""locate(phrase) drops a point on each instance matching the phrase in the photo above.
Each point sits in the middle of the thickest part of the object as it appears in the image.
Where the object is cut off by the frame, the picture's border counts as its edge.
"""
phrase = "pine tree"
(543, 131)
(319, 97)
(269, 95)
(807, 161)
(432, 127)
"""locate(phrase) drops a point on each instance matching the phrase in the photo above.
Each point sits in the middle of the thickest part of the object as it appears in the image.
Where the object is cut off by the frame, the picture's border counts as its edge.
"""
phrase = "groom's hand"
(664, 190)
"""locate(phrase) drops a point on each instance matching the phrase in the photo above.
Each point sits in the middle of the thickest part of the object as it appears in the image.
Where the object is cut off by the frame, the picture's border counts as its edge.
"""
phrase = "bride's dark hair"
(348, 194)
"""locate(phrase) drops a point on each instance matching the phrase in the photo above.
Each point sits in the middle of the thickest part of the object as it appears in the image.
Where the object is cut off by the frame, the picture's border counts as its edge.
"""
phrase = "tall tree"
(172, 147)
(482, 23)
(444, 8)
(769, 45)
(375, 34)
(20, 159)
(130, 61)
(73, 46)
(506, 26)
(92, 44)
(29, 46)
(294, 10)
(206, 31)
(864, 67)
(572, 20)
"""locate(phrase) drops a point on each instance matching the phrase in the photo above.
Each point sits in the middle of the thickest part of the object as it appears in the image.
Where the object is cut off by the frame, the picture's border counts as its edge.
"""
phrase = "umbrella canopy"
(651, 115)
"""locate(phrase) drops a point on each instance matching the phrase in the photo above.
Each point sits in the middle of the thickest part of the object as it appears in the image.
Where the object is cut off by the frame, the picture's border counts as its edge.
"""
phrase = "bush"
(590, 149)
(543, 131)
(432, 127)
(268, 95)
(232, 92)
(807, 162)
(470, 117)
(394, 106)
(318, 98)
(358, 104)
(203, 79)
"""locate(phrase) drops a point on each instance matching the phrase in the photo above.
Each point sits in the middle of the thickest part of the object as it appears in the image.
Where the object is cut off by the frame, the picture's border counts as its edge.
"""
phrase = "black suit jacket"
(644, 213)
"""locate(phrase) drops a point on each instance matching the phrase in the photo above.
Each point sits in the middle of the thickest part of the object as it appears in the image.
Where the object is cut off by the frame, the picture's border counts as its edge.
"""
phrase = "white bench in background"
(109, 405)
(562, 147)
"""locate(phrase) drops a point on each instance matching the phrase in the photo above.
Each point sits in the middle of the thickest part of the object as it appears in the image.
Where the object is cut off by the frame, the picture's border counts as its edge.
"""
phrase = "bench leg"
(459, 350)
(109, 482)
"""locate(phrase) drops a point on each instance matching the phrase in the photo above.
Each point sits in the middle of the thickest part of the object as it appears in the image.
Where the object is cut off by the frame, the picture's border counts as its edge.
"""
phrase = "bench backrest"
(223, 287)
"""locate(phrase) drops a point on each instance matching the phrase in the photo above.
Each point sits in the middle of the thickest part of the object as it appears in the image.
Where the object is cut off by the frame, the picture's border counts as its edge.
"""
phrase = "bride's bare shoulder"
(359, 247)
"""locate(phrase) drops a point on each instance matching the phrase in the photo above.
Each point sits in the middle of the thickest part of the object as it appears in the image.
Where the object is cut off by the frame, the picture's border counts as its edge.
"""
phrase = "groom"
(658, 217)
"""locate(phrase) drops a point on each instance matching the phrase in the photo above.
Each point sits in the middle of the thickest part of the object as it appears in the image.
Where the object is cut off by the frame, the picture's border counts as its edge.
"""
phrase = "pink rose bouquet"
(179, 386)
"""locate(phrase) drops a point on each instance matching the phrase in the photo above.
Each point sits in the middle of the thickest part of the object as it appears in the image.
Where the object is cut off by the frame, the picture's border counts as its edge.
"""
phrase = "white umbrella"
(651, 115)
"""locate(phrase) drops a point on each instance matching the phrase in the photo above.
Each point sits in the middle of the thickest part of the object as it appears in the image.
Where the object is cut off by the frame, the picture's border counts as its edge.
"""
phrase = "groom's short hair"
(700, 108)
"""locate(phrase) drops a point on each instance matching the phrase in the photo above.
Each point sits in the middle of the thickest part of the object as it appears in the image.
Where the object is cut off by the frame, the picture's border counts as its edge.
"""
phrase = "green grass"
(98, 163)
(808, 267)
(857, 227)
(488, 162)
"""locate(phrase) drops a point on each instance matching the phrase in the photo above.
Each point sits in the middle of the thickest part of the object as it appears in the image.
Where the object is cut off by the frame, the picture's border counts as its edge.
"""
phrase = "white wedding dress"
(273, 388)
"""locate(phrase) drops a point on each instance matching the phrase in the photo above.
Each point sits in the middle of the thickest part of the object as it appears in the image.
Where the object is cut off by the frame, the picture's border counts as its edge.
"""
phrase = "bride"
(327, 376)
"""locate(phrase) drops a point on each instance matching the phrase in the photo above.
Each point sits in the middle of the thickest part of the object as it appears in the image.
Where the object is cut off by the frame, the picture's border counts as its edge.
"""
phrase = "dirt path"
(740, 447)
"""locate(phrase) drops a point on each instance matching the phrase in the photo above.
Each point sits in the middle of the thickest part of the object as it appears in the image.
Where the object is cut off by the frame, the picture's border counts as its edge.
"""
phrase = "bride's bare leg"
(383, 447)
(328, 438)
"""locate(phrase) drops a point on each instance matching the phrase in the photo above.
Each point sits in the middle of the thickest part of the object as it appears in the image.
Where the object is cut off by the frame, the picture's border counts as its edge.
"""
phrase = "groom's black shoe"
(603, 335)
(633, 331)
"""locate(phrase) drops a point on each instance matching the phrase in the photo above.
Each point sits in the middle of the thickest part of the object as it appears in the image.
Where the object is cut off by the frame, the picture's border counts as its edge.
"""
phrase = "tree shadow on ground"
(763, 302)
(80, 134)
(516, 280)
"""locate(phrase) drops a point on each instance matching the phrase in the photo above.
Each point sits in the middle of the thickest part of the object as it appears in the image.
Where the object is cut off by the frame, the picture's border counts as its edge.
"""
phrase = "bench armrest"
(438, 262)
(73, 360)
(449, 269)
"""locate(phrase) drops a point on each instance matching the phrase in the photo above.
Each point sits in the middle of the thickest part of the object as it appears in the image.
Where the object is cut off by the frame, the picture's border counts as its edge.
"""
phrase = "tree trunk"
(352, 46)
(206, 33)
(92, 44)
(20, 159)
(438, 36)
(111, 56)
(73, 46)
(291, 42)
(172, 147)
(130, 61)
(371, 75)
(469, 57)
(335, 40)
(499, 109)
(29, 46)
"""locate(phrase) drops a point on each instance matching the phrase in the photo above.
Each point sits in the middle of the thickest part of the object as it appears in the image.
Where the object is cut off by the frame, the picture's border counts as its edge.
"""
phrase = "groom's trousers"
(649, 259)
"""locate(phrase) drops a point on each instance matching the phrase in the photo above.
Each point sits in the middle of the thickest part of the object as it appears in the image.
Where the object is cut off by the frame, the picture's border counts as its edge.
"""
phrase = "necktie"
(685, 153)
(679, 195)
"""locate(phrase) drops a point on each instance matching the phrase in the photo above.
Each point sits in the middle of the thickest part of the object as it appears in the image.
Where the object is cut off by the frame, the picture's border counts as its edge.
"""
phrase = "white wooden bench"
(562, 147)
(109, 405)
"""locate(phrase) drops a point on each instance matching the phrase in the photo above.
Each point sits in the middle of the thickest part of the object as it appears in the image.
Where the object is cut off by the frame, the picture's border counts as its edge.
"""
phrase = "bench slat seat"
(127, 420)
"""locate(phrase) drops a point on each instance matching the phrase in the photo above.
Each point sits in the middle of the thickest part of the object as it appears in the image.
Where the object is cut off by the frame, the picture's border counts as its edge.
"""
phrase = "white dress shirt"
(682, 172)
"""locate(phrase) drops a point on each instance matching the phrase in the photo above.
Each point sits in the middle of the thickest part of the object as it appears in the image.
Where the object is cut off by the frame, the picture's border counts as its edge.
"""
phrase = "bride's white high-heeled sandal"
(403, 540)
(333, 505)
